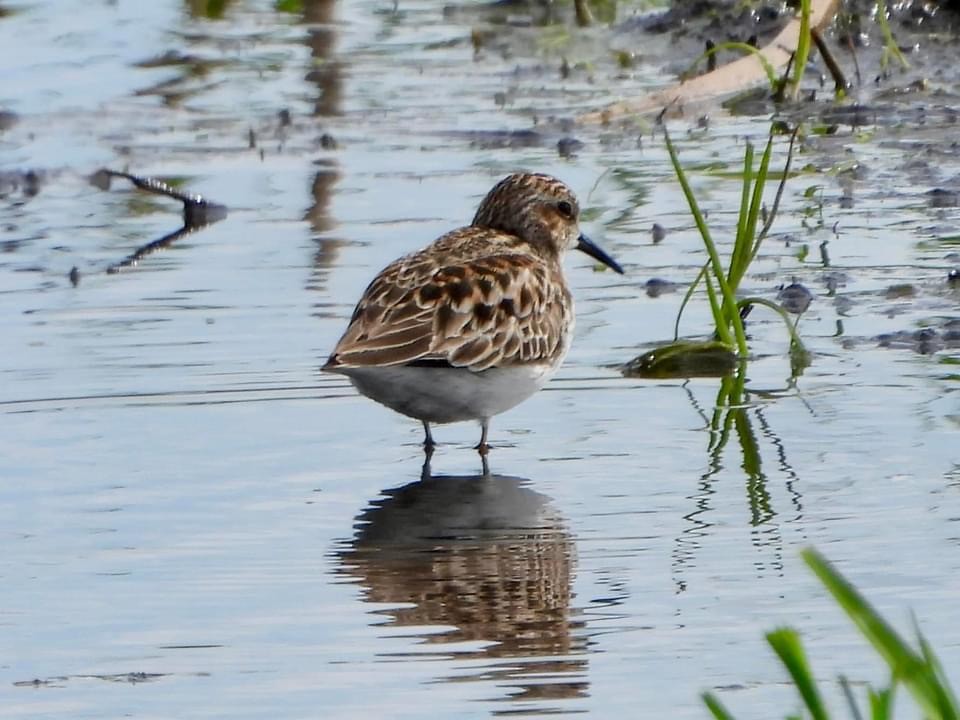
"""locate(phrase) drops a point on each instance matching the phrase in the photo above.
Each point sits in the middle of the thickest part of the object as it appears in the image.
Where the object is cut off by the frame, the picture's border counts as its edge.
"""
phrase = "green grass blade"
(716, 265)
(889, 42)
(756, 201)
(715, 707)
(723, 331)
(748, 242)
(946, 700)
(907, 666)
(881, 703)
(771, 216)
(802, 53)
(744, 239)
(786, 644)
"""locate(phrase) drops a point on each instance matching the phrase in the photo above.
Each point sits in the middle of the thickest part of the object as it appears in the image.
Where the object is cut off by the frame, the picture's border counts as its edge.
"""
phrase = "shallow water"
(196, 523)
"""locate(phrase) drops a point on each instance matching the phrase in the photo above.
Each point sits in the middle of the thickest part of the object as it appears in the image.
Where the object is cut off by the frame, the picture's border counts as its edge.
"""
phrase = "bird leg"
(483, 448)
(428, 443)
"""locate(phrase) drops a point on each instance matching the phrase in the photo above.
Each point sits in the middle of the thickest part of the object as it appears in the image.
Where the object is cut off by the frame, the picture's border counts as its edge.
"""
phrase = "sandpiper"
(476, 322)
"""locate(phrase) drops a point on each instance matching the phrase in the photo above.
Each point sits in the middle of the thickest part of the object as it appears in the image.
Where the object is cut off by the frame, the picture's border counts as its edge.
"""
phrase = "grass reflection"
(730, 416)
(736, 424)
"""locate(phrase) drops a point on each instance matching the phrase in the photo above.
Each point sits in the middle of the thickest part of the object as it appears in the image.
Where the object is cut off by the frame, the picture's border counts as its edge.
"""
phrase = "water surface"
(196, 523)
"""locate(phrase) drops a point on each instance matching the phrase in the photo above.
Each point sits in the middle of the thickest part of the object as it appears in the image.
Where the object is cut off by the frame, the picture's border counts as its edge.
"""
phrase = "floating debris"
(943, 198)
(900, 291)
(658, 232)
(683, 359)
(925, 342)
(795, 298)
(568, 147)
(655, 287)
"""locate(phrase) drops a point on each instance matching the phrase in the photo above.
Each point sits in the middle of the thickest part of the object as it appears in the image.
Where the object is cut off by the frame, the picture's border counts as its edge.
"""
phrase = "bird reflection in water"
(489, 559)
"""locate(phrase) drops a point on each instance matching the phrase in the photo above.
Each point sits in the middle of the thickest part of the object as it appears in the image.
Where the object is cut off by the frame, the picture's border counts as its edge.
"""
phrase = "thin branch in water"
(783, 183)
(836, 72)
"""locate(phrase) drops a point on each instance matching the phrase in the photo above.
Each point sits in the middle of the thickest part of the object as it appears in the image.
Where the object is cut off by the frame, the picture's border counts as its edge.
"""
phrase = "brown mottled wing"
(486, 311)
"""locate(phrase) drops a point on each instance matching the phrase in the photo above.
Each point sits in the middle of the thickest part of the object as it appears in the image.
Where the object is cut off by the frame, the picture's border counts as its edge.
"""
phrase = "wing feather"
(493, 307)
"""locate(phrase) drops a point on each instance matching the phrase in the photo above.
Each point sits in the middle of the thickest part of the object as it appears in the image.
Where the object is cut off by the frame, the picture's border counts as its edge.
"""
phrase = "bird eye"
(565, 209)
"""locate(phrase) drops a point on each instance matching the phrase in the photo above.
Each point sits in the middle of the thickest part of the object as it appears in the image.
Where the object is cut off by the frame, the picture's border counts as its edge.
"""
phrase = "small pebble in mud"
(834, 280)
(658, 232)
(795, 298)
(712, 57)
(655, 287)
(942, 198)
(74, 276)
(926, 341)
(625, 59)
(7, 119)
(477, 39)
(953, 278)
(567, 147)
(900, 291)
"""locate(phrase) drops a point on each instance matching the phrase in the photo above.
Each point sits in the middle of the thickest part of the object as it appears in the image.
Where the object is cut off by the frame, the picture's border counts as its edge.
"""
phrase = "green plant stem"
(802, 53)
(791, 326)
(889, 42)
(686, 299)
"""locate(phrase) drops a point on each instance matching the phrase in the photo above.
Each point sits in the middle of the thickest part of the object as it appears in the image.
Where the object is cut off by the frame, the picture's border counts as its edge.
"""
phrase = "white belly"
(445, 394)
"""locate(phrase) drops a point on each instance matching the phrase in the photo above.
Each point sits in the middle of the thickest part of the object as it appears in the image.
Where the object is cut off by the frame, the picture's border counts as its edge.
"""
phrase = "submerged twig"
(836, 72)
(771, 216)
(198, 212)
(584, 16)
(780, 91)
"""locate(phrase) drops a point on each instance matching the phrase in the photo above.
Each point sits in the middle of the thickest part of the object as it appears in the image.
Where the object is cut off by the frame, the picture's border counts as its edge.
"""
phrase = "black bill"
(585, 244)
